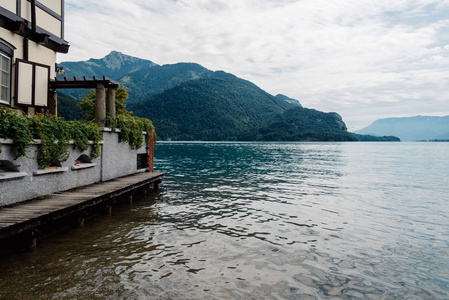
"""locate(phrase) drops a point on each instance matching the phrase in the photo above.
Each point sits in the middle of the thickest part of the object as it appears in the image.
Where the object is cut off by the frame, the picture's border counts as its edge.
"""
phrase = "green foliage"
(54, 136)
(16, 127)
(53, 132)
(131, 128)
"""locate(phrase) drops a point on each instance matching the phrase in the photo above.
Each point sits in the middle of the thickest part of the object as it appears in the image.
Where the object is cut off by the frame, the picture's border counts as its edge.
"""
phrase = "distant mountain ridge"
(410, 128)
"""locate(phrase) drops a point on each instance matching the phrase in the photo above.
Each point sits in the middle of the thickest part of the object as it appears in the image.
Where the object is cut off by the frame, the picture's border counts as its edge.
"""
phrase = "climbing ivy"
(131, 128)
(15, 127)
(55, 135)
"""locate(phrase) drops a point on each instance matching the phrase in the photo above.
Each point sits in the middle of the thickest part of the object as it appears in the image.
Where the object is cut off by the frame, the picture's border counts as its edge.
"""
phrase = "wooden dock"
(25, 218)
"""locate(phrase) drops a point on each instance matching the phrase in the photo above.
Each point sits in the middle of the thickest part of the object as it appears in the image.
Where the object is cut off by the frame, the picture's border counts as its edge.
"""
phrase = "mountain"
(289, 100)
(230, 108)
(411, 128)
(141, 77)
(210, 109)
(68, 108)
(115, 65)
(186, 101)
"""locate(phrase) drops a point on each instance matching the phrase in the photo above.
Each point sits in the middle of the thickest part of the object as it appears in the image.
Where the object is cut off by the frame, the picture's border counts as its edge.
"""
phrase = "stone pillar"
(100, 110)
(110, 103)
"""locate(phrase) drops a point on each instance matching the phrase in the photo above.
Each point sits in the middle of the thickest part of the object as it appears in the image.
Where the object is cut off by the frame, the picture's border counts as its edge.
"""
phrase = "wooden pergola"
(103, 105)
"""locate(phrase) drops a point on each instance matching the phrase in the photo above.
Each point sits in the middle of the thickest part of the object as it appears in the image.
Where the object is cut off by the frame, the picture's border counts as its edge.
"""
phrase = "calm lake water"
(260, 221)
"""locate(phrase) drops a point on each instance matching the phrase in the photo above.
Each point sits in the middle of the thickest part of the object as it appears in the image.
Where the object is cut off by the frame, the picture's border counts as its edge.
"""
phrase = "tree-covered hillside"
(303, 124)
(68, 108)
(210, 109)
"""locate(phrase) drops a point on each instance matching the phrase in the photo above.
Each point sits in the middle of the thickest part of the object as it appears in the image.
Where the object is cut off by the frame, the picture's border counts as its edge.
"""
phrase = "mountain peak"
(116, 59)
(289, 100)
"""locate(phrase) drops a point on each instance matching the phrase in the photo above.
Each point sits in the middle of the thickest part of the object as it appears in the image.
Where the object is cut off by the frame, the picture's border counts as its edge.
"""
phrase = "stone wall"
(116, 160)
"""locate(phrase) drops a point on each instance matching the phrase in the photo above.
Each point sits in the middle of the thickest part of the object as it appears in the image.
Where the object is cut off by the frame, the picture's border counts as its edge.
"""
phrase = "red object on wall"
(151, 151)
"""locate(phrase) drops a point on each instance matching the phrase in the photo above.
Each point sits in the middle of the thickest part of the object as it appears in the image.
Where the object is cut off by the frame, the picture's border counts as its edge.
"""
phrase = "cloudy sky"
(365, 59)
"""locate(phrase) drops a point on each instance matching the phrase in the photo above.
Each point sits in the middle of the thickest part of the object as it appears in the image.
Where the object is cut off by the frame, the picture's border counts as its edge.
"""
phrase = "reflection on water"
(257, 221)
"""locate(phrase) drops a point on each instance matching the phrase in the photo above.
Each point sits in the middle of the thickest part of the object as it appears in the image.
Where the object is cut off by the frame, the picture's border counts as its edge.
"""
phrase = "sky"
(364, 59)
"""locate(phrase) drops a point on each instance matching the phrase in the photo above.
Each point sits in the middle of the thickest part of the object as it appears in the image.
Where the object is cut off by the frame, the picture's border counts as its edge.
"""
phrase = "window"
(5, 79)
(32, 83)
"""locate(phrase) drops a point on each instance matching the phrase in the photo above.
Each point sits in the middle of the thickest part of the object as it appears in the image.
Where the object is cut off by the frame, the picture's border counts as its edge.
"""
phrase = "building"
(31, 35)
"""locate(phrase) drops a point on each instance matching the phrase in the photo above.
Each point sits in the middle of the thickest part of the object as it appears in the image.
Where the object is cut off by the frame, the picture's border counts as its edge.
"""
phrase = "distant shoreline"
(434, 141)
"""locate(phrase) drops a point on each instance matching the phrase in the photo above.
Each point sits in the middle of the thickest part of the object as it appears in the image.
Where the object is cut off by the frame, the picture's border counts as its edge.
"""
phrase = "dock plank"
(24, 216)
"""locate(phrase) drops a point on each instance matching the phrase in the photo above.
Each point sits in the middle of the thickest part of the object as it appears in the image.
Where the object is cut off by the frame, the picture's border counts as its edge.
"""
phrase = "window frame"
(9, 78)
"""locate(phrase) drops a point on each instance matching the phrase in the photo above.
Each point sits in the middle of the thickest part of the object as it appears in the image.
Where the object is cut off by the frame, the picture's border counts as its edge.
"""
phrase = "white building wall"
(9, 5)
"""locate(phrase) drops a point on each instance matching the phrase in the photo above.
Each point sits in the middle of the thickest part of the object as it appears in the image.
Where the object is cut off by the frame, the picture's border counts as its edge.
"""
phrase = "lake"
(260, 221)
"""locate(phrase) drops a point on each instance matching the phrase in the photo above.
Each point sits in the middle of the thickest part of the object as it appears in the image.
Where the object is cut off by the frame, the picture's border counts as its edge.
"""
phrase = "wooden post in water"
(33, 241)
(108, 209)
(80, 222)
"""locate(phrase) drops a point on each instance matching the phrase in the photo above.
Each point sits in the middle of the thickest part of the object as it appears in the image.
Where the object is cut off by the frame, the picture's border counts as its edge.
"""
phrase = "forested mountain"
(410, 129)
(142, 78)
(234, 109)
(186, 101)
(68, 108)
(210, 109)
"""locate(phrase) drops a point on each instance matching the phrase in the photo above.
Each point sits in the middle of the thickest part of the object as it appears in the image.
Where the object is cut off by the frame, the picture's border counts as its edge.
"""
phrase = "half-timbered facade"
(31, 35)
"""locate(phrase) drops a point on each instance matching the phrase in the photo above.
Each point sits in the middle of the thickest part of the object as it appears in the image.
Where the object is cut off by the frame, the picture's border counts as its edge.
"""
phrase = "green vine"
(131, 128)
(16, 127)
(55, 135)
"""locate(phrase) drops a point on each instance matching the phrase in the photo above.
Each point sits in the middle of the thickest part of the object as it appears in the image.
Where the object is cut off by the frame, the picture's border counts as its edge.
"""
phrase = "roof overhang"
(82, 83)
(20, 26)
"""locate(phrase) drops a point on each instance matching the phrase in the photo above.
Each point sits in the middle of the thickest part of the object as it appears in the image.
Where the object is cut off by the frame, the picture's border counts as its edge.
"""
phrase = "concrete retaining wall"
(116, 160)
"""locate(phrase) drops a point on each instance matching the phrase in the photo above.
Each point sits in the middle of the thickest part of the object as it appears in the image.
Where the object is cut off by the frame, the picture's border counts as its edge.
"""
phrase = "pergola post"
(110, 102)
(100, 110)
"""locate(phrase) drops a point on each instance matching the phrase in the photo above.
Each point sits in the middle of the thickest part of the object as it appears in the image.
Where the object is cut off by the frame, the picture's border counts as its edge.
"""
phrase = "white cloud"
(356, 57)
